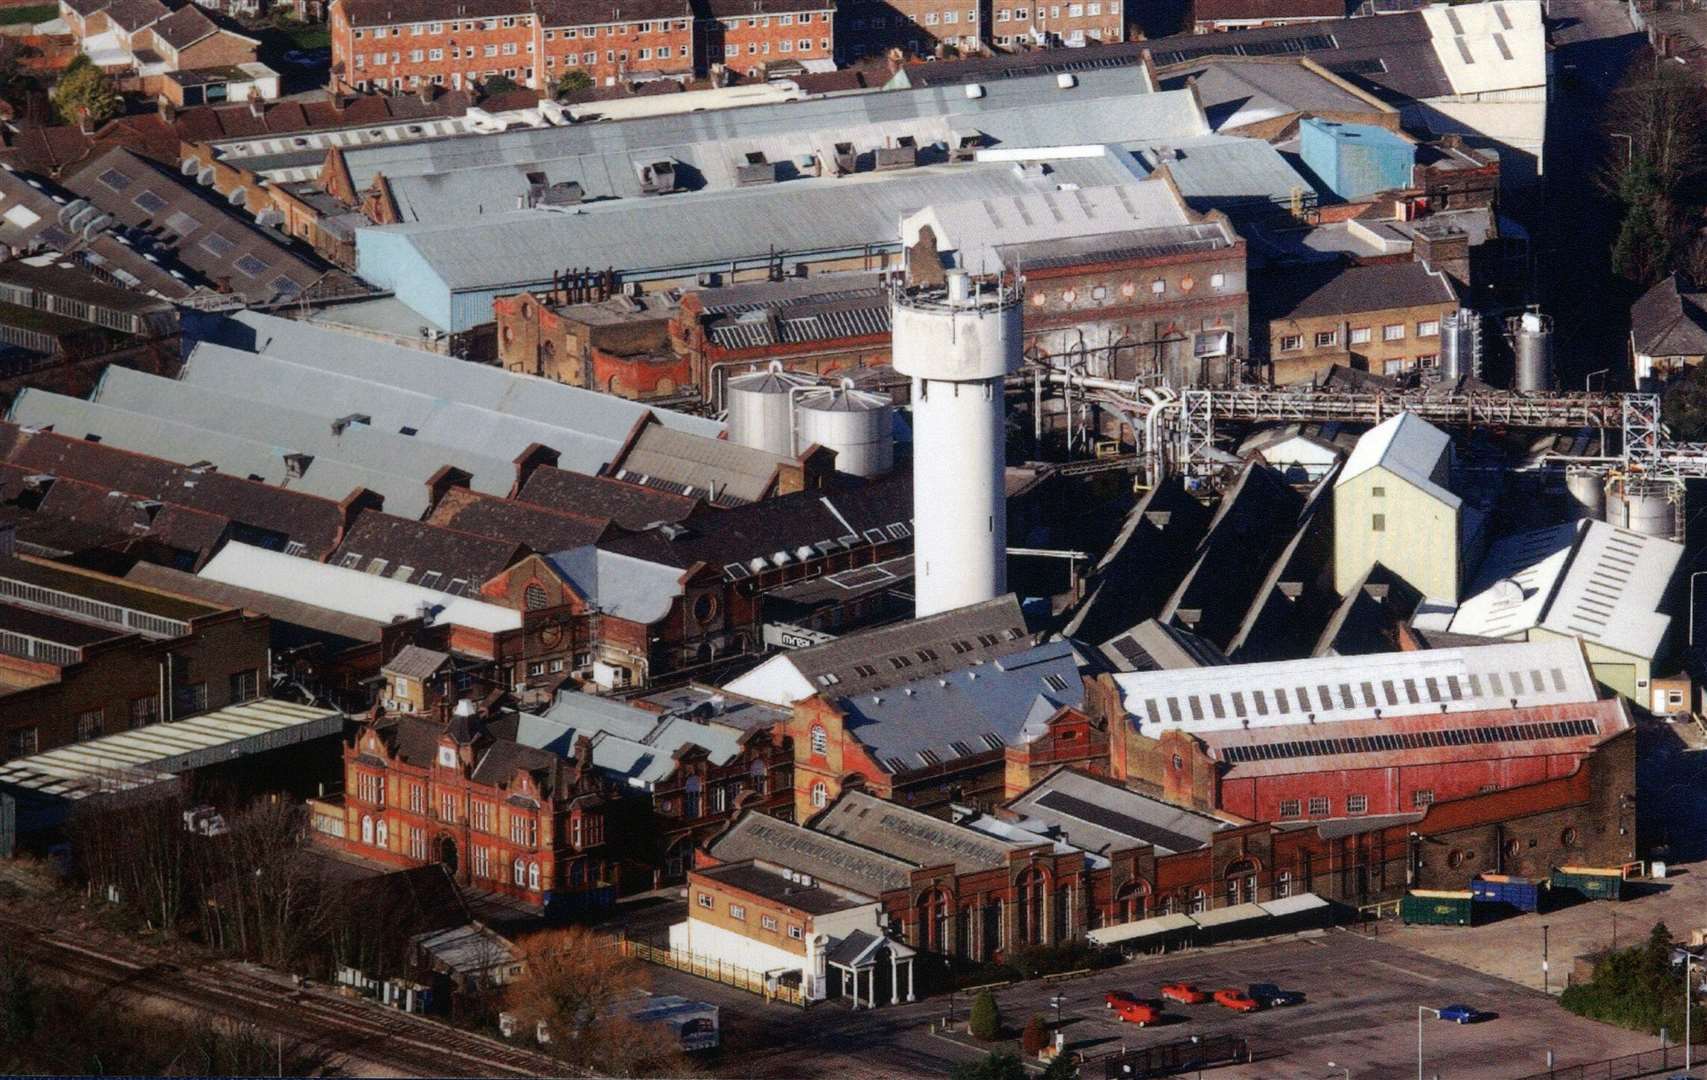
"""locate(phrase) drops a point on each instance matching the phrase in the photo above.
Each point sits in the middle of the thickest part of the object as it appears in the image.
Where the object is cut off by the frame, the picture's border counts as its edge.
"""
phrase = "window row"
(1360, 335)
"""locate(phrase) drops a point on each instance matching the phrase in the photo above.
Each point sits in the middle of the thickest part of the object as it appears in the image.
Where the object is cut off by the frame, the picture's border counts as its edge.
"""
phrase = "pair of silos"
(782, 412)
(1639, 504)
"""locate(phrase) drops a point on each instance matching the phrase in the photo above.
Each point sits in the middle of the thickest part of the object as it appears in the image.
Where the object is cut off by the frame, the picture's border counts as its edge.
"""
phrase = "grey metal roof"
(1613, 591)
(1408, 447)
(187, 444)
(466, 176)
(713, 468)
(621, 585)
(1238, 91)
(1156, 646)
(1226, 173)
(1101, 816)
(975, 709)
(655, 237)
(483, 413)
(824, 856)
(913, 836)
(401, 464)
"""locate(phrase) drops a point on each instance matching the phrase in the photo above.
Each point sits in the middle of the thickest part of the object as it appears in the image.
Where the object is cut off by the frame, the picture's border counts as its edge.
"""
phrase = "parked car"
(1237, 1000)
(1462, 1014)
(1270, 996)
(1184, 993)
(1141, 1013)
(1114, 997)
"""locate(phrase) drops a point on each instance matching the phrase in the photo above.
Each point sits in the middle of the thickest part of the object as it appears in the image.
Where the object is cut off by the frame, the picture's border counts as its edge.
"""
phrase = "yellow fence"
(708, 968)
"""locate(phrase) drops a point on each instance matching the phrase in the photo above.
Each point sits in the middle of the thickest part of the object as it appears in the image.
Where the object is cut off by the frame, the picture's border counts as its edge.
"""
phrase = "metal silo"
(1643, 506)
(1532, 342)
(1586, 489)
(856, 424)
(1460, 345)
(760, 412)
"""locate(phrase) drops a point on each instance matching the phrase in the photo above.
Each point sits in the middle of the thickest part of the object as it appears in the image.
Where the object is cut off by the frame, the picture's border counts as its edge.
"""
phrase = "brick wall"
(1302, 349)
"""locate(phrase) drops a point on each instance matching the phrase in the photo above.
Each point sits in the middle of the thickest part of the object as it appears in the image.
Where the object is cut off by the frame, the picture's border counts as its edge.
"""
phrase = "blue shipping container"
(1356, 160)
(1524, 894)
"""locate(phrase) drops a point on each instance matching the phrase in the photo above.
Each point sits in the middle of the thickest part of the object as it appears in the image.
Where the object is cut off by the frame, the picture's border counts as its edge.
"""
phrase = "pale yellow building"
(1393, 504)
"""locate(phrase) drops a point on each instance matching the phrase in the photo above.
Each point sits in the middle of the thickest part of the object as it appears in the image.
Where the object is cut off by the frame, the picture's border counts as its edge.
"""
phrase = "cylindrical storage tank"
(1642, 506)
(958, 344)
(1586, 490)
(1532, 341)
(1460, 345)
(857, 425)
(760, 412)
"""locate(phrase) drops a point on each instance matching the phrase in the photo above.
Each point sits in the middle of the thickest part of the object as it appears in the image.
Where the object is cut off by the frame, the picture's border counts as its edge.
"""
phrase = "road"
(1361, 1011)
(362, 1038)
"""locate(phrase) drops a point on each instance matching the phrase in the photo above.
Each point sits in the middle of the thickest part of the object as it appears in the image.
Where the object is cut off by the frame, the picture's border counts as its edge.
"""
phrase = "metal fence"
(705, 967)
(1169, 1058)
(1646, 1063)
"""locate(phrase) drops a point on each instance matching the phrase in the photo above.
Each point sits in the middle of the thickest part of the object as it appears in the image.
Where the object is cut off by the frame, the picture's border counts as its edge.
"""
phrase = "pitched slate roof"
(1098, 815)
(755, 835)
(629, 505)
(1303, 293)
(537, 527)
(414, 662)
(419, 553)
(1670, 319)
(185, 27)
(914, 836)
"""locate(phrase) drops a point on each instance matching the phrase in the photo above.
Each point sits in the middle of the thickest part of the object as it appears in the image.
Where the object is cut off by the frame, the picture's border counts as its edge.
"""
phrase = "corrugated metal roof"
(467, 176)
(684, 232)
(1335, 688)
(913, 836)
(711, 468)
(154, 753)
(1516, 582)
(481, 412)
(1613, 591)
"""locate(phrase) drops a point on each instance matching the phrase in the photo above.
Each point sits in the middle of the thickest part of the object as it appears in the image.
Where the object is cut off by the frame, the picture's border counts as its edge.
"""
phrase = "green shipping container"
(1592, 882)
(1433, 908)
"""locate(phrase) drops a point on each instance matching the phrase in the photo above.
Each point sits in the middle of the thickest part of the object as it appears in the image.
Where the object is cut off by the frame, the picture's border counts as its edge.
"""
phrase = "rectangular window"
(435, 54)
(1359, 335)
(245, 686)
(738, 911)
(1318, 806)
(1378, 523)
(1431, 328)
(417, 55)
(705, 901)
(794, 932)
(1422, 797)
(1327, 339)
(145, 710)
(491, 50)
(1291, 342)
(189, 699)
(1356, 804)
(1289, 808)
(89, 724)
(767, 922)
(1393, 332)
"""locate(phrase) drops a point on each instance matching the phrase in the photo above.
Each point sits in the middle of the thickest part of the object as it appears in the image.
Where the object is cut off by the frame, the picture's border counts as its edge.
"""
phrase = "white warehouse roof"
(352, 592)
(1333, 688)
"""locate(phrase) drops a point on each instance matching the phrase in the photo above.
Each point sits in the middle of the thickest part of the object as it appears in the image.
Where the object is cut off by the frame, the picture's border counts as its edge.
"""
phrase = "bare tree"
(575, 986)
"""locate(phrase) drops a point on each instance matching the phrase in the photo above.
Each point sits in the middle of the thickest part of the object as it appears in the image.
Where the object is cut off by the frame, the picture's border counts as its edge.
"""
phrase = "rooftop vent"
(657, 177)
(974, 90)
(1066, 81)
(897, 157)
(751, 170)
(343, 422)
(562, 193)
(845, 158)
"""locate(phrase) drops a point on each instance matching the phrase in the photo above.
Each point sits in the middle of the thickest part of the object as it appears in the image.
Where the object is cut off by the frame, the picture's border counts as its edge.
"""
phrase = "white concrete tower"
(958, 343)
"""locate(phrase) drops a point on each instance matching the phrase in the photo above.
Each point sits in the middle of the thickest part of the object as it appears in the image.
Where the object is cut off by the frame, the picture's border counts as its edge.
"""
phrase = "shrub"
(991, 1067)
(1035, 1037)
(986, 1021)
(1635, 988)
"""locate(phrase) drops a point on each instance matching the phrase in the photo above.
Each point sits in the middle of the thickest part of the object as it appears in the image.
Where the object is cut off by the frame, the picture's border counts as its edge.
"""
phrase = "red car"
(1184, 993)
(1237, 1000)
(1137, 1012)
(1114, 998)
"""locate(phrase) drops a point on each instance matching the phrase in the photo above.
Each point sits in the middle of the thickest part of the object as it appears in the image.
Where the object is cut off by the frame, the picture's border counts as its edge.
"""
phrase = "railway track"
(391, 1040)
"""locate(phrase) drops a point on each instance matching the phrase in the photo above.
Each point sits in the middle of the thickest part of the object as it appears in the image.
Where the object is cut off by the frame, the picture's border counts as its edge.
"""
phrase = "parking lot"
(1360, 1012)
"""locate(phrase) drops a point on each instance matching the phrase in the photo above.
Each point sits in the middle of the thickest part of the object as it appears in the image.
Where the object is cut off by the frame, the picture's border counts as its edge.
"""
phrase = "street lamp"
(1341, 1068)
(1056, 1001)
(1420, 1010)
(1197, 1052)
(1545, 989)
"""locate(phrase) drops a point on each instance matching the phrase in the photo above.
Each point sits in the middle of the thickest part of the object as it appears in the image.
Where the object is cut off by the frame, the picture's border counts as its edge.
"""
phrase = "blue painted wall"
(1356, 160)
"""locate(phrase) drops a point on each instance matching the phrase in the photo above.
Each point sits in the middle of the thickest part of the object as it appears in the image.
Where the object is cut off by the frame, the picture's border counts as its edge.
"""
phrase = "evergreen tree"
(986, 1020)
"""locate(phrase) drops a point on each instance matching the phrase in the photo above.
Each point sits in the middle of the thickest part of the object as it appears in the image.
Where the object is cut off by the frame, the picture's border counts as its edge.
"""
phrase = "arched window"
(1132, 902)
(533, 876)
(933, 914)
(820, 795)
(820, 739)
(535, 596)
(1028, 906)
(518, 872)
(1242, 882)
(690, 798)
(367, 829)
(379, 832)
